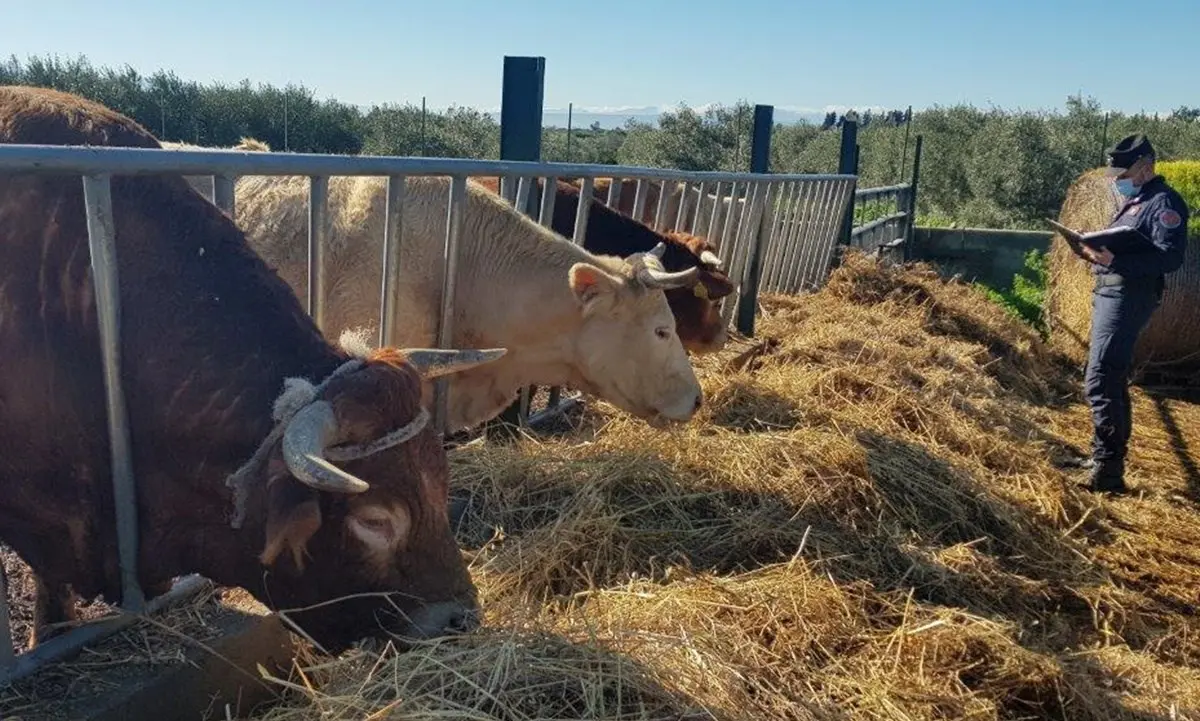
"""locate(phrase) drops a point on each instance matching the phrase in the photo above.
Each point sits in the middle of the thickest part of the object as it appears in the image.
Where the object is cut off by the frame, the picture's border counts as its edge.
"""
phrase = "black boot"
(1107, 476)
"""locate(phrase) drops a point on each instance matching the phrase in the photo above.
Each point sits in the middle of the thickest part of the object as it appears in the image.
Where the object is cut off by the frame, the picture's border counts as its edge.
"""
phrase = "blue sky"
(621, 54)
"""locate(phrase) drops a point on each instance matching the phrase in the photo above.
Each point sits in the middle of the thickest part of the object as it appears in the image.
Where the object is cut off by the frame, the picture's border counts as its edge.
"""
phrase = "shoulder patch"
(1169, 219)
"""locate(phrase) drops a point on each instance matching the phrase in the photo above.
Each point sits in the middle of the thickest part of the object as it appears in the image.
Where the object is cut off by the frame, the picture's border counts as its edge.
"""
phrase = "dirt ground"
(20, 599)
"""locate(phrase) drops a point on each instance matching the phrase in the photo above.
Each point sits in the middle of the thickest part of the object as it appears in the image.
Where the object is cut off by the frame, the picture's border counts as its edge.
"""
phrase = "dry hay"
(154, 644)
(1172, 338)
(864, 523)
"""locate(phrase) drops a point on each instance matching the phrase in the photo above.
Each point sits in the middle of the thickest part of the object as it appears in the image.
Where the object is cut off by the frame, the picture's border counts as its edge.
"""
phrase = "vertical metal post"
(1104, 142)
(582, 211)
(847, 165)
(660, 210)
(223, 193)
(318, 192)
(521, 98)
(570, 119)
(848, 151)
(393, 226)
(97, 197)
(455, 211)
(8, 657)
(912, 201)
(521, 108)
(760, 162)
(614, 192)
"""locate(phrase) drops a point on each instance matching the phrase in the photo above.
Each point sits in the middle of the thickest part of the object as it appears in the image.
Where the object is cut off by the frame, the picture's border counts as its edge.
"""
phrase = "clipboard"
(1121, 240)
(1074, 238)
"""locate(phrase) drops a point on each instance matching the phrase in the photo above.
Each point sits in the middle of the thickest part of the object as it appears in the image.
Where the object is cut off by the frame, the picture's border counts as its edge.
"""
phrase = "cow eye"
(376, 524)
(662, 332)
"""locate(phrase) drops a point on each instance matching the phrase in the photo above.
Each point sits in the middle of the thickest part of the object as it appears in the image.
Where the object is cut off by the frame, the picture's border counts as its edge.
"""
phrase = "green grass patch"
(1026, 295)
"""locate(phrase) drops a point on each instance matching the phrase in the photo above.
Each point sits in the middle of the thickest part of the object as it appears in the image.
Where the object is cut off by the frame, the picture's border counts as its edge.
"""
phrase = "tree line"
(991, 168)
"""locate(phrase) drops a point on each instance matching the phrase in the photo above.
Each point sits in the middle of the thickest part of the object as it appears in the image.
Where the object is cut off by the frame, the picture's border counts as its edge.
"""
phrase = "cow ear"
(717, 287)
(293, 517)
(591, 285)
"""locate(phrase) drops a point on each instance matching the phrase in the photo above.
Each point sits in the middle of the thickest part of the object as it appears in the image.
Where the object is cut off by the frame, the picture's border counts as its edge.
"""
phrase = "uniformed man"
(1129, 287)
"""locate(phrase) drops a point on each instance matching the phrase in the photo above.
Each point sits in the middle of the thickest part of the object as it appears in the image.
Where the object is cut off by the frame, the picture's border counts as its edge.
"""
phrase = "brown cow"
(696, 309)
(219, 362)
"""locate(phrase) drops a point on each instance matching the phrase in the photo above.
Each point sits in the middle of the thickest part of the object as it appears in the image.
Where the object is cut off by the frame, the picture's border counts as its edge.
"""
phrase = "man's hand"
(1104, 256)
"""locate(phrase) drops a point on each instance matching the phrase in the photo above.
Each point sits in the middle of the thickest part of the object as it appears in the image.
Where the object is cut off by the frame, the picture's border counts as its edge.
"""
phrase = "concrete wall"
(980, 254)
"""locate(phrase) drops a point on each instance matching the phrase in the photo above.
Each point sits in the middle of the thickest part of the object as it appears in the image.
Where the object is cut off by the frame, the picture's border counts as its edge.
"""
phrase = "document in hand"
(1121, 240)
(1074, 238)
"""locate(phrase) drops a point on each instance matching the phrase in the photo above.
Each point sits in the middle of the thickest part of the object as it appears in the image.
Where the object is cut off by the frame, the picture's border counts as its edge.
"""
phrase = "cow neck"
(207, 544)
(204, 403)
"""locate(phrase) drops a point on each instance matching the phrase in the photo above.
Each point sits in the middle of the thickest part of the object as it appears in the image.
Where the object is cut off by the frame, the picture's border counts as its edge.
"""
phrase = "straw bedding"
(866, 522)
(1172, 338)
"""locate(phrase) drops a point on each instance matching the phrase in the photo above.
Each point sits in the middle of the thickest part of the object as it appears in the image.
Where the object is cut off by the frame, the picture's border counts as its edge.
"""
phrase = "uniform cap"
(1128, 151)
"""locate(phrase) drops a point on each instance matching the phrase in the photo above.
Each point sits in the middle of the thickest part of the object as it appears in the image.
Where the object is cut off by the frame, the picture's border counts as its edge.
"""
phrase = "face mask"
(1126, 187)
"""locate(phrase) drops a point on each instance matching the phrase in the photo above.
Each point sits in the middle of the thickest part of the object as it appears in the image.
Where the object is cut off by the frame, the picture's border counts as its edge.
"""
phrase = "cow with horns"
(265, 457)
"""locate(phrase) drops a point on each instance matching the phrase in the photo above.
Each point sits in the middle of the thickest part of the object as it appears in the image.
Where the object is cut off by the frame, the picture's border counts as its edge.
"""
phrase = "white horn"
(661, 279)
(710, 258)
(434, 362)
(310, 431)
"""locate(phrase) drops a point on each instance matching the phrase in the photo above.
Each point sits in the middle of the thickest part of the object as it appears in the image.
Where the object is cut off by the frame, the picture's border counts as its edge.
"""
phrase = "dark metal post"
(521, 99)
(570, 114)
(912, 201)
(847, 155)
(760, 162)
(848, 165)
(521, 108)
(1104, 142)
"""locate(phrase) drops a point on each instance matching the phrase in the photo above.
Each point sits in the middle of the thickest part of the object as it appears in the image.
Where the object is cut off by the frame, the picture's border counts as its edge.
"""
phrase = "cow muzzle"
(444, 618)
(677, 413)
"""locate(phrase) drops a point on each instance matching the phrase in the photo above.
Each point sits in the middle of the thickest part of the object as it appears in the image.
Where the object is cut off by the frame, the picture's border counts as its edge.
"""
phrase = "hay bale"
(1172, 338)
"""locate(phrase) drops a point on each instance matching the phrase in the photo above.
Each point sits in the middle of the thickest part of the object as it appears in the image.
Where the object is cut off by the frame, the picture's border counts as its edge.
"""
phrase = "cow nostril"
(462, 622)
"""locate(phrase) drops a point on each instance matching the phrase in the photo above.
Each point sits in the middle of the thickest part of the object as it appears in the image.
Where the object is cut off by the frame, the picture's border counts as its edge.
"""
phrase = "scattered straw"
(864, 522)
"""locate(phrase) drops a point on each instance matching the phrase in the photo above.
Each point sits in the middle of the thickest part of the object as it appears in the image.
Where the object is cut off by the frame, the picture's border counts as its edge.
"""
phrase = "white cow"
(599, 324)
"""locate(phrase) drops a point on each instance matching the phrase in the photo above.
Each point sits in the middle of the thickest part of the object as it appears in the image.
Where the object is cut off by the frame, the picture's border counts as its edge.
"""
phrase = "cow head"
(628, 346)
(364, 547)
(697, 308)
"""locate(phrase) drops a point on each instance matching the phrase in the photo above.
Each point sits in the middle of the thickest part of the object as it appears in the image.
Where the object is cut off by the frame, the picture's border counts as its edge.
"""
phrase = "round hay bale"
(1171, 341)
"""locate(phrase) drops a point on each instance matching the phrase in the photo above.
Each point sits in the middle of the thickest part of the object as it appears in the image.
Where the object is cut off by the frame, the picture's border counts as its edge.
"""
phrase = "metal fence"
(883, 219)
(789, 221)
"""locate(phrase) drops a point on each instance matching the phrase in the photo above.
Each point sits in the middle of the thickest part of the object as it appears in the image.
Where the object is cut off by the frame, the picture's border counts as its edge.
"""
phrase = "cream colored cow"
(599, 324)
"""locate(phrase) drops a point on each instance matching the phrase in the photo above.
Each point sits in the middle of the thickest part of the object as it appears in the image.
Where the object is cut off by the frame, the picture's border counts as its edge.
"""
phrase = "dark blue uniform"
(1127, 293)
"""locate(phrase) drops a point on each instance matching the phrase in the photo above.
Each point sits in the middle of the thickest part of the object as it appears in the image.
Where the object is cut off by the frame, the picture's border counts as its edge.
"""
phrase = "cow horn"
(664, 280)
(710, 258)
(434, 362)
(311, 430)
(659, 250)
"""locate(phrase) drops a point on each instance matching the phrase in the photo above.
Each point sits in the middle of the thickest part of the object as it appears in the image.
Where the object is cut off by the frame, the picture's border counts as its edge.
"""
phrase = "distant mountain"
(609, 118)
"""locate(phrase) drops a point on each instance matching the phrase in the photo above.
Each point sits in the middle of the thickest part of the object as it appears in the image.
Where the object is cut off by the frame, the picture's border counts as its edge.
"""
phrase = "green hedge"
(1184, 176)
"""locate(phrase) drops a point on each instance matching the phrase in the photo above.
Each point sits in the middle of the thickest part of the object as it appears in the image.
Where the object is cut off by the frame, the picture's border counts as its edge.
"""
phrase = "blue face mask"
(1126, 187)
